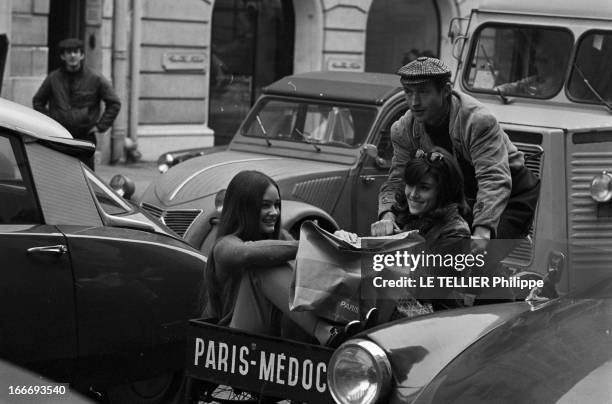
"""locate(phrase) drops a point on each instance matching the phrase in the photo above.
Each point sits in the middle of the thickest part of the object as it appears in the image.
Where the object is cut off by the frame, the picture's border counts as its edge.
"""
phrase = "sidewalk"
(142, 173)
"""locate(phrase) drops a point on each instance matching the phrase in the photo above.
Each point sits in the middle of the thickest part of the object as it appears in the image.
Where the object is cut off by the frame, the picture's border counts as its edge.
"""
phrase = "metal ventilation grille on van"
(590, 235)
(522, 255)
(178, 220)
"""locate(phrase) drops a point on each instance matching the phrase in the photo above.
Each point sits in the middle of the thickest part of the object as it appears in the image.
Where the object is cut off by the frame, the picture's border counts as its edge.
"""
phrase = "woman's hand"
(346, 236)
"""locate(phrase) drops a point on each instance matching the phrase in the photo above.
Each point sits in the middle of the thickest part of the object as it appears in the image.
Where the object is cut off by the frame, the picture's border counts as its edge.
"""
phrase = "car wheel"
(160, 389)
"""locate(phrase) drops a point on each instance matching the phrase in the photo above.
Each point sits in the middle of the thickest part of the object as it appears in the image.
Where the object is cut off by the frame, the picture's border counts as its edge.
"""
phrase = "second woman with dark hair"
(433, 201)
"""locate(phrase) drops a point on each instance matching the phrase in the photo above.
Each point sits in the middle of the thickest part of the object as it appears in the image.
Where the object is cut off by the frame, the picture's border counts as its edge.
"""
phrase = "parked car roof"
(20, 118)
(25, 121)
(371, 88)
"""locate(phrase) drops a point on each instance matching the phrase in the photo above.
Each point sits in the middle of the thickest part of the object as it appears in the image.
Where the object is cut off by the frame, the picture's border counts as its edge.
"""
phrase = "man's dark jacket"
(74, 98)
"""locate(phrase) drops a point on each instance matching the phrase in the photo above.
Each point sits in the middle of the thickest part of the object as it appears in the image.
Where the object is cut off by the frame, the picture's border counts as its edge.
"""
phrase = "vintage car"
(551, 351)
(314, 134)
(323, 136)
(94, 291)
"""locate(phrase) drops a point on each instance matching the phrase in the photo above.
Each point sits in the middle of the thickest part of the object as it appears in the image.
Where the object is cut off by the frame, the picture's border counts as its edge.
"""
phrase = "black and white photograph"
(306, 201)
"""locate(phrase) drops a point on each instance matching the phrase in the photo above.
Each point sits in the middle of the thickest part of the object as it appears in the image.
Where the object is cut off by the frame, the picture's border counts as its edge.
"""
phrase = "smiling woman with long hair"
(248, 275)
(249, 237)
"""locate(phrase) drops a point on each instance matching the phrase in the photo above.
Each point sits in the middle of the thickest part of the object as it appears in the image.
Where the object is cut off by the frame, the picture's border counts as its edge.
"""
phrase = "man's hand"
(385, 226)
(481, 232)
(480, 239)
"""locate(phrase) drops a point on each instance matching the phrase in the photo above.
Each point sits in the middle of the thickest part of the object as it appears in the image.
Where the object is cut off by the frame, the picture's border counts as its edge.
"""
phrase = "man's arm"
(41, 98)
(112, 105)
(386, 197)
(395, 181)
(490, 160)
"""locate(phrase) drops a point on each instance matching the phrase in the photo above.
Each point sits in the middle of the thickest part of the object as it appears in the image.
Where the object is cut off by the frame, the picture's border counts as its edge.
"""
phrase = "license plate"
(257, 363)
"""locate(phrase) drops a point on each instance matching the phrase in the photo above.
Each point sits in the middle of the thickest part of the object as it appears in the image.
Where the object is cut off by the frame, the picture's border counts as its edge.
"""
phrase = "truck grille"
(522, 255)
(178, 220)
(590, 235)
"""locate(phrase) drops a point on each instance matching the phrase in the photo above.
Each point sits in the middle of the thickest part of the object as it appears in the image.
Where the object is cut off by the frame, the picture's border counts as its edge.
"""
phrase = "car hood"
(419, 348)
(559, 352)
(203, 176)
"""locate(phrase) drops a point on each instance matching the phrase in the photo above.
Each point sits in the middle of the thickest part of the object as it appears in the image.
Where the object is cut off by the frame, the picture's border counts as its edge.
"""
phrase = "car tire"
(165, 388)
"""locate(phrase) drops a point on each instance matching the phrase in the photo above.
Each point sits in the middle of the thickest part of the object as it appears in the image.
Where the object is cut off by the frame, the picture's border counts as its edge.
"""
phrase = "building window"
(252, 46)
(399, 31)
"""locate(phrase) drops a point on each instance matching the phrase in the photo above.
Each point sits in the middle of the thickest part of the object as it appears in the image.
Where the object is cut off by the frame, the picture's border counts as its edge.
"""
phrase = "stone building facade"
(187, 70)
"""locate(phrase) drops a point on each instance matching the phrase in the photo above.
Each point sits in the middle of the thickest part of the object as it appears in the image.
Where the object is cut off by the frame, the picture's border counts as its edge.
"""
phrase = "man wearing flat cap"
(501, 191)
(72, 95)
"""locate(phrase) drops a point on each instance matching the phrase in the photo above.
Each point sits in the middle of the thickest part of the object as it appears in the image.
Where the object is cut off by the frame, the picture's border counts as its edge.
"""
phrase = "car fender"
(295, 212)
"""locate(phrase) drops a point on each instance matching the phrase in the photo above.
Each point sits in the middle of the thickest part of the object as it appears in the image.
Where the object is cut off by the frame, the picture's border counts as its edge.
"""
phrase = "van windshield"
(310, 122)
(520, 61)
(593, 63)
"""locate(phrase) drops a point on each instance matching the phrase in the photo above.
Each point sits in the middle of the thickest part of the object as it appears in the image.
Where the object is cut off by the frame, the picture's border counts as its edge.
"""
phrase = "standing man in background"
(72, 95)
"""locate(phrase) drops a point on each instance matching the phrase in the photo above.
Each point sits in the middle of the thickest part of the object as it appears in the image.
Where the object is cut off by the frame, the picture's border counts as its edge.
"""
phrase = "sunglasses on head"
(433, 156)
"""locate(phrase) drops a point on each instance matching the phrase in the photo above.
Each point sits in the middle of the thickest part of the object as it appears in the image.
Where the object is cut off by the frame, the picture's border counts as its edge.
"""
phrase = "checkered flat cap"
(423, 69)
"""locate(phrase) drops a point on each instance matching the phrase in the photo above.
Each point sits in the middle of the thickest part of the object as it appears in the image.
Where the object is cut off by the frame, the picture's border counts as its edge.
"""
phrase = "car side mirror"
(455, 28)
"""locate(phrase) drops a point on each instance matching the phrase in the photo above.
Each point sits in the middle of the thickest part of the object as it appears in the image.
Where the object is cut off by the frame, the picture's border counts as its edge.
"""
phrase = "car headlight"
(122, 185)
(164, 162)
(359, 372)
(601, 187)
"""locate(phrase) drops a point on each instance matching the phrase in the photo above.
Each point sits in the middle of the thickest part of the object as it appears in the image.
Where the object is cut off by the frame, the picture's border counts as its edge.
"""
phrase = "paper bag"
(328, 276)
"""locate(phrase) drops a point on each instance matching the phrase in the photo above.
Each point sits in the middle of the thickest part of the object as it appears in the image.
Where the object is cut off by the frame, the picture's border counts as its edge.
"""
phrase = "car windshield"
(519, 61)
(593, 63)
(310, 122)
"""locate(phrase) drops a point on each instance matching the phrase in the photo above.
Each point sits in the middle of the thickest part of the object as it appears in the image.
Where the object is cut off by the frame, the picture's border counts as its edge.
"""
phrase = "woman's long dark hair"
(444, 169)
(240, 216)
(242, 206)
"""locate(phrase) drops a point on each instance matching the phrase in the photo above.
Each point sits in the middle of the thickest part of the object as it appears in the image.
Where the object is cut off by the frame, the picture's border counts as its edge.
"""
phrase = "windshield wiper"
(263, 130)
(592, 89)
(306, 140)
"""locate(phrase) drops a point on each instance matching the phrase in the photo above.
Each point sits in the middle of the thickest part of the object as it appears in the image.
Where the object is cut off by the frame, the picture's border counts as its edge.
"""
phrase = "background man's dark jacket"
(73, 100)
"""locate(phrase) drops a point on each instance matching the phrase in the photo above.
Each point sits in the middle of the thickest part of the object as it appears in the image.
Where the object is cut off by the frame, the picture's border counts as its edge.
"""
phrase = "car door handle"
(49, 249)
(367, 179)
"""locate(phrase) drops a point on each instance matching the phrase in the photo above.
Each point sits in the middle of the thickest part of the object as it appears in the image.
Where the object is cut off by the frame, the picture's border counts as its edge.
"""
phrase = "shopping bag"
(328, 273)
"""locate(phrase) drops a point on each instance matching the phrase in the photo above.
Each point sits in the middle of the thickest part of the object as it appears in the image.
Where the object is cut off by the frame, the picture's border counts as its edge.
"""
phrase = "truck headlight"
(601, 187)
(359, 372)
